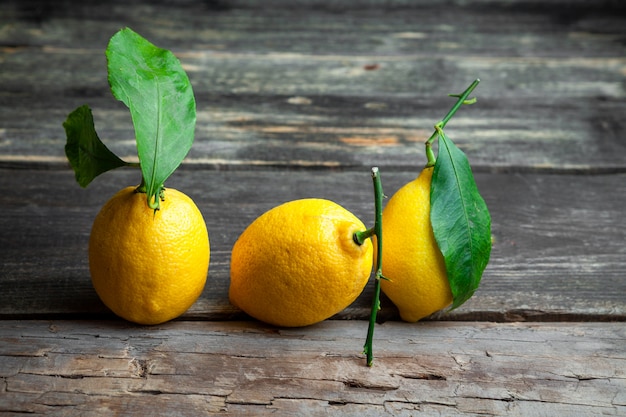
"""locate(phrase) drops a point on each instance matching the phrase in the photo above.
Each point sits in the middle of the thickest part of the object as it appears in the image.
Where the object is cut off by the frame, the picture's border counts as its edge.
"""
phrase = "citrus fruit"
(298, 264)
(417, 282)
(149, 266)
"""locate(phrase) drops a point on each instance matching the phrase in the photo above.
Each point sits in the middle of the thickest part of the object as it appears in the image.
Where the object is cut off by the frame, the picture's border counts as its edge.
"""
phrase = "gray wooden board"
(245, 131)
(232, 368)
(559, 239)
(334, 84)
(299, 99)
(555, 28)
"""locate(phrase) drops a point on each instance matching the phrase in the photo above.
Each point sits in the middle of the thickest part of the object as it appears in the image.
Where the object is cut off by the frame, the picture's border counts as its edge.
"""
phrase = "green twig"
(378, 231)
(362, 236)
(462, 99)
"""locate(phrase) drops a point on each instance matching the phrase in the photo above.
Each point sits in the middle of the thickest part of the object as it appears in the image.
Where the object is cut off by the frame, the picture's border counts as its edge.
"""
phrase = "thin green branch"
(360, 237)
(378, 231)
(462, 99)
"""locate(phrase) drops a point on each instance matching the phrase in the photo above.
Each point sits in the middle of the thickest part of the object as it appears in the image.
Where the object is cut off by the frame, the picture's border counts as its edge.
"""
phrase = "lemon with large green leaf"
(437, 232)
(149, 246)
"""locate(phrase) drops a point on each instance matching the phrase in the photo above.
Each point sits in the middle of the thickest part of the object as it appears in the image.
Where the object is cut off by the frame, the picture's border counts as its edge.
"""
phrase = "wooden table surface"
(300, 99)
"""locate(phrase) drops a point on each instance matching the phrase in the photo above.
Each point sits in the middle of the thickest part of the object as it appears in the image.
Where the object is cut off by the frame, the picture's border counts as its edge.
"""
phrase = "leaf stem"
(462, 99)
(159, 196)
(378, 231)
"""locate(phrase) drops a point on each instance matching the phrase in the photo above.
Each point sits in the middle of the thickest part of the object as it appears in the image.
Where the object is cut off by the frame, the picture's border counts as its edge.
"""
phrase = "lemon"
(298, 264)
(149, 266)
(412, 262)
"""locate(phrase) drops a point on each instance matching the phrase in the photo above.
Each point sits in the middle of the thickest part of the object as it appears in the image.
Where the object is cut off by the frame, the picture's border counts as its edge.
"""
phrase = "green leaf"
(88, 156)
(156, 89)
(460, 220)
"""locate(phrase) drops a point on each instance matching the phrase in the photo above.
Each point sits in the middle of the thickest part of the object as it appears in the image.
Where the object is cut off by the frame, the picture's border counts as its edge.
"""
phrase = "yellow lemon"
(418, 283)
(149, 266)
(298, 264)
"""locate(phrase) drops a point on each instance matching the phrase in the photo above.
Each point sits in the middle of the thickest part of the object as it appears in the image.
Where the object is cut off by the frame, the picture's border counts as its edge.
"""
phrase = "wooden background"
(300, 99)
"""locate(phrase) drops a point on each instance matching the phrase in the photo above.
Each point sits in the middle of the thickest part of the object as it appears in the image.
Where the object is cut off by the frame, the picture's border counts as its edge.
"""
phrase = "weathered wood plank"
(556, 28)
(336, 132)
(334, 84)
(231, 368)
(558, 252)
(337, 86)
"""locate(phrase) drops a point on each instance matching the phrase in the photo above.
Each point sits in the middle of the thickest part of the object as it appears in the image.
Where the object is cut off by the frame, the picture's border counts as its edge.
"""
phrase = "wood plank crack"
(438, 367)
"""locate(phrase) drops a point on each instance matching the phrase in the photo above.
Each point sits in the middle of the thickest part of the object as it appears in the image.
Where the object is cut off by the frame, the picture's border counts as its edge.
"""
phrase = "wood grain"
(300, 98)
(558, 251)
(233, 368)
(334, 84)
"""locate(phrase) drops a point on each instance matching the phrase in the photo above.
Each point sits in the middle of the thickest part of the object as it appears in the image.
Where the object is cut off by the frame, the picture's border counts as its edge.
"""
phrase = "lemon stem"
(153, 201)
(462, 99)
(361, 236)
(378, 231)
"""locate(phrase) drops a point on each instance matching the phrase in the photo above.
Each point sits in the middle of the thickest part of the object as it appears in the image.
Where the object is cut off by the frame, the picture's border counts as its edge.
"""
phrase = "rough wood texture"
(334, 84)
(557, 254)
(236, 369)
(299, 99)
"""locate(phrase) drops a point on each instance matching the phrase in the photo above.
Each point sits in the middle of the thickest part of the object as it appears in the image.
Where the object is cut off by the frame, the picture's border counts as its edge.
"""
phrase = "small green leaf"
(156, 89)
(460, 220)
(88, 156)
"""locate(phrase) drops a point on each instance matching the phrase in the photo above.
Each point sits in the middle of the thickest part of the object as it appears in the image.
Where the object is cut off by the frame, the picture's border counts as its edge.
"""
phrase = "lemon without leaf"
(417, 282)
(298, 264)
(149, 266)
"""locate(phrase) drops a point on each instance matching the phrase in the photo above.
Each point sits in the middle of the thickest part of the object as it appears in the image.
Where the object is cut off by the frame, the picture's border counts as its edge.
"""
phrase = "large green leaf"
(88, 156)
(156, 89)
(460, 220)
